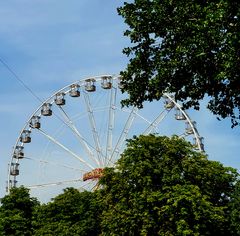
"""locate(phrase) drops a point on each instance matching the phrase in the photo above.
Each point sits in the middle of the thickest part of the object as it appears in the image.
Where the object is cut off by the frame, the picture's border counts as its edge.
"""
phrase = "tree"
(235, 210)
(16, 212)
(161, 186)
(188, 48)
(70, 213)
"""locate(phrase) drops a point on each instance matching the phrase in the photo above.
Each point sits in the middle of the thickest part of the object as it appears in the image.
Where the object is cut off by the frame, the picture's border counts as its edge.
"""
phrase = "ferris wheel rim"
(65, 90)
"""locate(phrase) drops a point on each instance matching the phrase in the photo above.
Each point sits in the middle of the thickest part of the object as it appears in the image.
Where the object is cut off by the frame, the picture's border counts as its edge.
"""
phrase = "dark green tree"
(70, 213)
(161, 186)
(16, 212)
(235, 210)
(189, 48)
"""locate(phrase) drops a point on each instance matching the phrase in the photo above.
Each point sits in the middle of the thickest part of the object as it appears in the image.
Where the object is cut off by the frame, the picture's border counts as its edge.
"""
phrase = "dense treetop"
(159, 186)
(70, 213)
(16, 213)
(189, 48)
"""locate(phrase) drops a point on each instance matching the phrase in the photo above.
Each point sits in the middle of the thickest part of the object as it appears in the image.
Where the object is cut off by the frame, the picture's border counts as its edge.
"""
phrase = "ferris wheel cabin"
(46, 109)
(90, 85)
(189, 128)
(59, 99)
(35, 122)
(179, 115)
(18, 152)
(25, 136)
(106, 82)
(14, 170)
(74, 90)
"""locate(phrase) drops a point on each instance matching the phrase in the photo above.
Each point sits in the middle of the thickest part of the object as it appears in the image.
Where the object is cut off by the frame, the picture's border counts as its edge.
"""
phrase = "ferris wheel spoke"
(111, 120)
(54, 163)
(88, 186)
(124, 134)
(84, 144)
(156, 122)
(137, 114)
(93, 127)
(183, 135)
(54, 183)
(65, 148)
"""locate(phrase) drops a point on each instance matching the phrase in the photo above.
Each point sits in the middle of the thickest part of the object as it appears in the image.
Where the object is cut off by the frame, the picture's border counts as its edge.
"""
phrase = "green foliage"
(70, 213)
(189, 48)
(161, 186)
(235, 210)
(16, 212)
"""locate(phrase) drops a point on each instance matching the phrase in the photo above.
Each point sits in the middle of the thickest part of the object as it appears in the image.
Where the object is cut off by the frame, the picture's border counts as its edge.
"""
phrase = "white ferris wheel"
(83, 128)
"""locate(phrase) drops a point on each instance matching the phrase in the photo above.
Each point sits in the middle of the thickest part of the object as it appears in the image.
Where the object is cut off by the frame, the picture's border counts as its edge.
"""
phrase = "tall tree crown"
(189, 48)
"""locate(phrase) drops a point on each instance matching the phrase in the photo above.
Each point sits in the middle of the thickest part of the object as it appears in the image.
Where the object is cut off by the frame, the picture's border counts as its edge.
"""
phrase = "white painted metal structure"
(97, 128)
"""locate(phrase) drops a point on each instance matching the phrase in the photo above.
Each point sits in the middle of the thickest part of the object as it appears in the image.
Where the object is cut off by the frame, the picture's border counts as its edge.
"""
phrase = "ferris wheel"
(83, 128)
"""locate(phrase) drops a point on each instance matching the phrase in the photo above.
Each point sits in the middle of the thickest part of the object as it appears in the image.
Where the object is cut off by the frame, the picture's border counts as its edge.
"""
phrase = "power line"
(30, 90)
(19, 80)
(23, 84)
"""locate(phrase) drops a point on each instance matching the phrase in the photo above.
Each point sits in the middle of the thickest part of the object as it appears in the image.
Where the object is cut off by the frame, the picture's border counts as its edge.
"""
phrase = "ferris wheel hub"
(94, 174)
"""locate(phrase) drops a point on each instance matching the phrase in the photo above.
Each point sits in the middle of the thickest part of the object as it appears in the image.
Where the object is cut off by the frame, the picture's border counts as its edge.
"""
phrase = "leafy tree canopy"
(16, 212)
(161, 186)
(70, 213)
(235, 210)
(188, 48)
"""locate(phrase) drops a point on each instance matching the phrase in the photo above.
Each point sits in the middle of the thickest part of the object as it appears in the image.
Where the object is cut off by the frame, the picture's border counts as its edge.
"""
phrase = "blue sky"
(50, 44)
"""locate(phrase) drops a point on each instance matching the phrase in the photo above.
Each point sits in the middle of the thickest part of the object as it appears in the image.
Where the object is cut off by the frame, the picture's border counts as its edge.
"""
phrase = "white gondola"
(14, 169)
(120, 83)
(179, 115)
(169, 104)
(106, 82)
(189, 128)
(74, 90)
(11, 184)
(90, 85)
(195, 143)
(59, 99)
(25, 136)
(18, 152)
(46, 109)
(35, 122)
